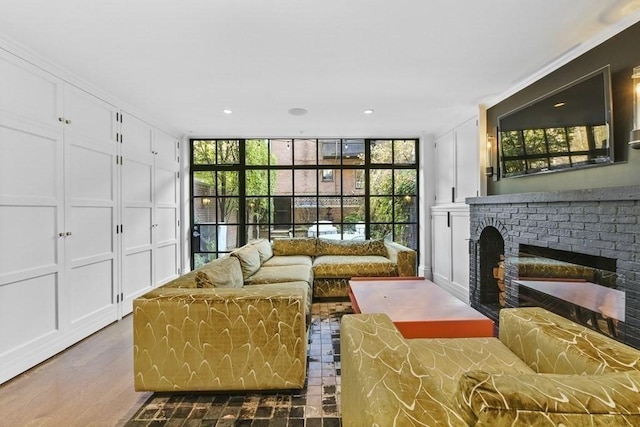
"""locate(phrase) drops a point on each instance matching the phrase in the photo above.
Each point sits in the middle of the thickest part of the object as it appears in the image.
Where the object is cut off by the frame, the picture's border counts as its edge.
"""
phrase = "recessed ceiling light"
(559, 104)
(368, 111)
(227, 111)
(298, 111)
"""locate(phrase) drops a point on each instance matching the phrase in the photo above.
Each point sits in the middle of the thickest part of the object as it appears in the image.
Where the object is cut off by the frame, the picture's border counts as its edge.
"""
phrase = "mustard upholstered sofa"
(544, 370)
(335, 262)
(240, 322)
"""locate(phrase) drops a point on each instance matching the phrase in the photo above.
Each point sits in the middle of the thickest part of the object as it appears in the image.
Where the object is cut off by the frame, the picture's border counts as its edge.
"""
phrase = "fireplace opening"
(577, 286)
(491, 289)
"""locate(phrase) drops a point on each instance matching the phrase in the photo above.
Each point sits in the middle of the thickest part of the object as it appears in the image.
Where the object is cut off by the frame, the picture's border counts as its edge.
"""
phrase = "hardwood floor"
(89, 384)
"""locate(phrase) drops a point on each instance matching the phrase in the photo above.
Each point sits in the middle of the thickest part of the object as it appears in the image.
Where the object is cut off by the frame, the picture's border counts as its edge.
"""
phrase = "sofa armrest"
(220, 339)
(550, 399)
(405, 258)
(383, 383)
(550, 343)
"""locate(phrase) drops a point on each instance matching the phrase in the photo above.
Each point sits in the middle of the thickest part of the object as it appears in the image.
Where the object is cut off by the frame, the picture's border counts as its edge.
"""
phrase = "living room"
(92, 221)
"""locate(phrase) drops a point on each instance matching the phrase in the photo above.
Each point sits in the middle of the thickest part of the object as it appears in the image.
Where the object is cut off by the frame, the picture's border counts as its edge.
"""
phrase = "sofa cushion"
(550, 399)
(264, 249)
(350, 247)
(353, 266)
(295, 246)
(447, 360)
(223, 272)
(249, 258)
(281, 274)
(288, 260)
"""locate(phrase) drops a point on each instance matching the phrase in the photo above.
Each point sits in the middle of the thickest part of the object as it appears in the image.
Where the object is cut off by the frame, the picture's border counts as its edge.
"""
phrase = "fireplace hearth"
(591, 236)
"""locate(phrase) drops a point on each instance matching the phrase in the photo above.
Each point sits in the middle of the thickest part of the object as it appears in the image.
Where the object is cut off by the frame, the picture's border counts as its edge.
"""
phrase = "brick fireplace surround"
(600, 222)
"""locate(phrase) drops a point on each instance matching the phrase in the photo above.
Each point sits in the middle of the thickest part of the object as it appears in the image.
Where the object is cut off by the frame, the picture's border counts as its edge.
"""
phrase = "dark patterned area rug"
(317, 405)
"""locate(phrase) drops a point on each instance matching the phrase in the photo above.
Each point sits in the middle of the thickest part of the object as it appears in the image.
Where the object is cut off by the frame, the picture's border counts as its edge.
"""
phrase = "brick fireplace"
(598, 226)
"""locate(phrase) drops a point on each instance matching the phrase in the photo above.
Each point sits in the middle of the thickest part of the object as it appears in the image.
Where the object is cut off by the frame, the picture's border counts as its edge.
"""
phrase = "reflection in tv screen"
(568, 128)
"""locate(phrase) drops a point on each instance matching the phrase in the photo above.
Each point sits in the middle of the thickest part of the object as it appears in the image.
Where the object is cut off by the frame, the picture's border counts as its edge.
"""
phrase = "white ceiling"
(422, 65)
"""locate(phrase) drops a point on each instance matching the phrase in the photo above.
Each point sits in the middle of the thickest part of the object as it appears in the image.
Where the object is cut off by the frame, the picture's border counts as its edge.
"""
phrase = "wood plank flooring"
(89, 384)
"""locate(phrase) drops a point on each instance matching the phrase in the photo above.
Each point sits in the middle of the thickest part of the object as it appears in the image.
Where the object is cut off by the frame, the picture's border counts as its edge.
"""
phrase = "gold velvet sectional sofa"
(240, 322)
(544, 370)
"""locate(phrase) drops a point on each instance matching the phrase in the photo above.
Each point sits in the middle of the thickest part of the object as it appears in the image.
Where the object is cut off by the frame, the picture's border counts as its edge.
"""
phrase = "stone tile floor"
(317, 405)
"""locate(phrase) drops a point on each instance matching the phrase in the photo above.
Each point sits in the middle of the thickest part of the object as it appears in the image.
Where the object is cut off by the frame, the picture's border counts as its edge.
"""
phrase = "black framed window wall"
(342, 189)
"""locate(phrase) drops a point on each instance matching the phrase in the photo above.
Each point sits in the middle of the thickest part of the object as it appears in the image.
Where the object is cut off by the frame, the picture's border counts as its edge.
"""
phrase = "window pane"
(257, 152)
(306, 209)
(380, 181)
(405, 209)
(510, 143)
(203, 183)
(201, 259)
(406, 234)
(228, 152)
(284, 183)
(557, 140)
(305, 182)
(329, 150)
(228, 184)
(257, 210)
(353, 179)
(353, 209)
(560, 161)
(257, 182)
(204, 210)
(534, 141)
(538, 164)
(405, 181)
(305, 151)
(381, 209)
(404, 152)
(228, 209)
(330, 187)
(515, 166)
(381, 231)
(578, 140)
(601, 136)
(281, 151)
(204, 152)
(381, 151)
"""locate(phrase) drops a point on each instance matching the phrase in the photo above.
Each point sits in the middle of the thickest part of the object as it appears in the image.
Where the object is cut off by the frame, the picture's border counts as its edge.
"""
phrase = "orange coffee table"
(419, 308)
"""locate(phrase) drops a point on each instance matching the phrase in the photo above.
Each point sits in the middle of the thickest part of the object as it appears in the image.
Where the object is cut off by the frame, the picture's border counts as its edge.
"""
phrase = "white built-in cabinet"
(65, 220)
(150, 208)
(457, 177)
(457, 167)
(450, 245)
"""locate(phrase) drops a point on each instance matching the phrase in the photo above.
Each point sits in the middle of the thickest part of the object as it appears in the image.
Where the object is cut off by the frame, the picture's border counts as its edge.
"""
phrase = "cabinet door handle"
(449, 219)
(453, 194)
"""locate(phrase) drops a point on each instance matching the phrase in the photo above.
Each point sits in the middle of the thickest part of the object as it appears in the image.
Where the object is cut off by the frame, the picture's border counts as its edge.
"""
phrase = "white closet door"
(31, 216)
(441, 246)
(167, 213)
(137, 209)
(460, 253)
(91, 200)
(445, 167)
(467, 179)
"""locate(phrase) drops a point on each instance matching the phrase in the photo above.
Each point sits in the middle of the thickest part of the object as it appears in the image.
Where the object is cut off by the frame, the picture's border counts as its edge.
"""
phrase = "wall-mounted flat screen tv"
(567, 128)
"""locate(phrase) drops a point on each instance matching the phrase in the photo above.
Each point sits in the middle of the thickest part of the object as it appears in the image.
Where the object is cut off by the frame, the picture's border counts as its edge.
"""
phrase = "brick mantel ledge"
(587, 195)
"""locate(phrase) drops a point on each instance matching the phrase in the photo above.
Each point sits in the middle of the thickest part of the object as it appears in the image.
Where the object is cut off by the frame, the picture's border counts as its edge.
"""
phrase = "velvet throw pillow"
(223, 272)
(264, 249)
(249, 258)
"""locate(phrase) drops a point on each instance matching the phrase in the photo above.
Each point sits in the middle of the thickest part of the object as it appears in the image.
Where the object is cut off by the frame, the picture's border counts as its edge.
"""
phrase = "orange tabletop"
(419, 308)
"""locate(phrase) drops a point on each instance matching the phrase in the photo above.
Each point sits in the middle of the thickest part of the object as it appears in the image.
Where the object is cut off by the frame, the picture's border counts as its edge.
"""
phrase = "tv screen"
(567, 128)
